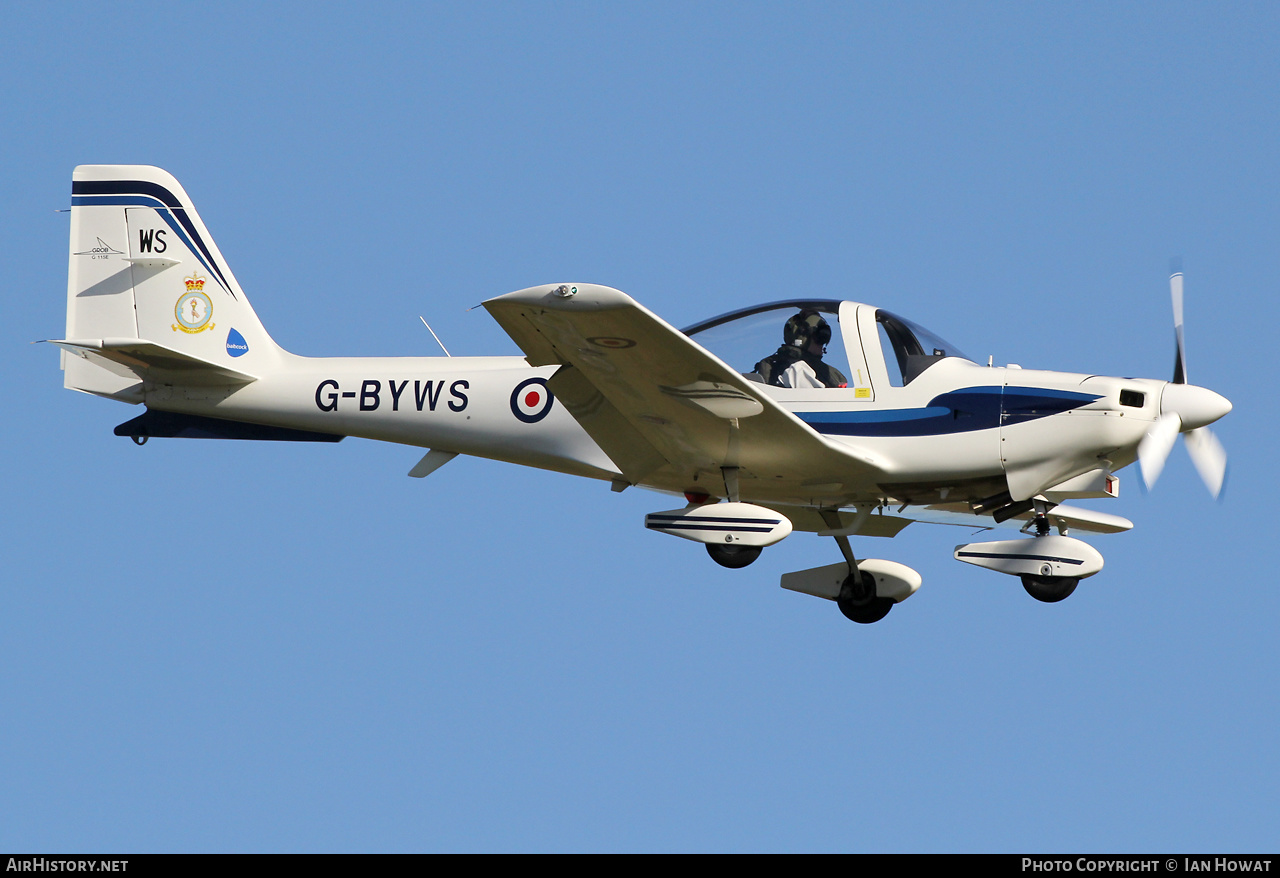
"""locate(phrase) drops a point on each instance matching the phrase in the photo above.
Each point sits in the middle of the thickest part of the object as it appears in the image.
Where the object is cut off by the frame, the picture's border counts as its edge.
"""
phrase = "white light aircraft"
(860, 423)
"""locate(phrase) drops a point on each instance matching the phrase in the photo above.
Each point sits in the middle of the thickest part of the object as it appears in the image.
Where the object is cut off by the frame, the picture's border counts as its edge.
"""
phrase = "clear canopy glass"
(909, 348)
(745, 338)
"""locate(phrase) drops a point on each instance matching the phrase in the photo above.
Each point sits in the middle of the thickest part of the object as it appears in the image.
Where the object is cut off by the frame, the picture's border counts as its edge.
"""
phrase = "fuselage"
(954, 431)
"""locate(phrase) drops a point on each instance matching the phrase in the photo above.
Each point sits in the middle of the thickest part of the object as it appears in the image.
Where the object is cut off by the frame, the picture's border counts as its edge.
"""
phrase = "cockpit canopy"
(747, 337)
(914, 347)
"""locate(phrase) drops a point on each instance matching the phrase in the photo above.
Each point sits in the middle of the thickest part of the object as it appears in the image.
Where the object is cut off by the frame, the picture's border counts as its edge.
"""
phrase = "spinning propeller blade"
(1154, 448)
(1180, 354)
(1209, 457)
(1188, 409)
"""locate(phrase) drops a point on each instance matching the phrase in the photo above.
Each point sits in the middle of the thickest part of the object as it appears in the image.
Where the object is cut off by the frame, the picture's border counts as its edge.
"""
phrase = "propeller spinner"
(1187, 409)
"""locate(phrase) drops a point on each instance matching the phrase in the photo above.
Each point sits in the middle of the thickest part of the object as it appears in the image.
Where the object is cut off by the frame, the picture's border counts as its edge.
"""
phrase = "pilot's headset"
(807, 326)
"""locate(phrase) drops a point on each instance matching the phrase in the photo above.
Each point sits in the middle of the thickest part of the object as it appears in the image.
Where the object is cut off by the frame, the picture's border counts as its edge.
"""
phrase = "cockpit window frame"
(763, 326)
(826, 306)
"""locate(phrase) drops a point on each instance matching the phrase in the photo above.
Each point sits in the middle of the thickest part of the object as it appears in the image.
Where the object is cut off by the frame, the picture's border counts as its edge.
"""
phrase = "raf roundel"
(531, 400)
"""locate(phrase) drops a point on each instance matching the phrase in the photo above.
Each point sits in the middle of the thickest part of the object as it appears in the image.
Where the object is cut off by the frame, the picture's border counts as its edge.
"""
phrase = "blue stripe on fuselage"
(958, 411)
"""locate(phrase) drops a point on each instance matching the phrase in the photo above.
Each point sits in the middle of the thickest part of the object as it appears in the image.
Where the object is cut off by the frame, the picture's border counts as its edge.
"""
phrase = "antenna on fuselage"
(433, 335)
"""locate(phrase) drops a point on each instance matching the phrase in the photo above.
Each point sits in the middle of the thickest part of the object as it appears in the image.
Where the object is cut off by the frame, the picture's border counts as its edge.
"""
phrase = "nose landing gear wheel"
(1049, 589)
(733, 557)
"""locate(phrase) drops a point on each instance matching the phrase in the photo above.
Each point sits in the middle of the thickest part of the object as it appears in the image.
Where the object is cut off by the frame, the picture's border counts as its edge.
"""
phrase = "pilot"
(798, 363)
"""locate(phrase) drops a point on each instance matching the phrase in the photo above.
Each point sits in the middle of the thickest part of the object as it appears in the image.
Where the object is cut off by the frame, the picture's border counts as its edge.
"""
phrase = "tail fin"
(144, 269)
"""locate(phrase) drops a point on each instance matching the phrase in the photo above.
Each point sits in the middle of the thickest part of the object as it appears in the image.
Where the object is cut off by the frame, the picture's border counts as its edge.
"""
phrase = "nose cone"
(1194, 406)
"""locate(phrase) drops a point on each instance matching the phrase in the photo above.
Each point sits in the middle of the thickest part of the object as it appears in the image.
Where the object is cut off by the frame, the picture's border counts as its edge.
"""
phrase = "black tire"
(1050, 589)
(733, 557)
(866, 612)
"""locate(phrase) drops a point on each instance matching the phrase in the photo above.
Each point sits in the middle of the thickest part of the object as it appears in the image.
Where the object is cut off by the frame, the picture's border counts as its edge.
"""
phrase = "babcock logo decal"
(531, 400)
(236, 345)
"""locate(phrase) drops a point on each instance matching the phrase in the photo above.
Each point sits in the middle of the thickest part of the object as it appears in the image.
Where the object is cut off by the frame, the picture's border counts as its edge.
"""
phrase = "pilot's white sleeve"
(800, 375)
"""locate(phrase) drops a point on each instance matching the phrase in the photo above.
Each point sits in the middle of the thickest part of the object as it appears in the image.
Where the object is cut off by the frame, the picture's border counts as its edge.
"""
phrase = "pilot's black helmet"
(805, 327)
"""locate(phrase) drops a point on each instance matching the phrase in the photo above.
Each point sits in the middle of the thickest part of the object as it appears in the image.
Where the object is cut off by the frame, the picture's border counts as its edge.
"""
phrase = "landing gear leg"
(1041, 520)
(1046, 587)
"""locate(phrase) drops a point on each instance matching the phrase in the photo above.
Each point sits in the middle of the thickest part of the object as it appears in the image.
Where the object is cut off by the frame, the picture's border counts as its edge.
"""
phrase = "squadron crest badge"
(193, 309)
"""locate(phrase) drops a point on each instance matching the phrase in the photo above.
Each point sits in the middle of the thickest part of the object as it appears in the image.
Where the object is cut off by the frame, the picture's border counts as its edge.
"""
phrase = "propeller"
(1187, 409)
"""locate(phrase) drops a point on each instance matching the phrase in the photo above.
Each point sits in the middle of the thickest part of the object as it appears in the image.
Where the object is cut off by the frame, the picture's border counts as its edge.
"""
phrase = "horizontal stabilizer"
(148, 361)
(172, 425)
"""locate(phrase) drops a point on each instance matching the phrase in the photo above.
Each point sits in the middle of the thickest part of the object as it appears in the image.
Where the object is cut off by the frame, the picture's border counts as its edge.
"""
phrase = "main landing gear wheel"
(1049, 589)
(865, 613)
(733, 557)
(862, 608)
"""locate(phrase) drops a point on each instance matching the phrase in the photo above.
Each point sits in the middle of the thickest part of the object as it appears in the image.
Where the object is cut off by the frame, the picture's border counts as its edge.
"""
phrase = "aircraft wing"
(668, 412)
(887, 521)
(1074, 518)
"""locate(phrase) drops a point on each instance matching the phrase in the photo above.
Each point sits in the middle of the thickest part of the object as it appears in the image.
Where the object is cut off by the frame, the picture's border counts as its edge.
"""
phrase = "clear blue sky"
(214, 646)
